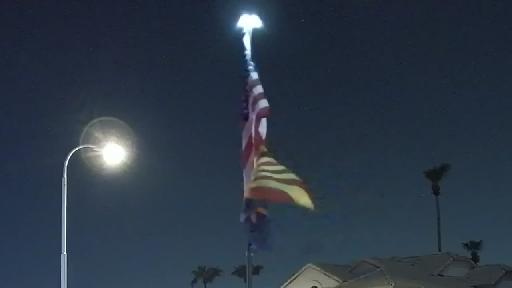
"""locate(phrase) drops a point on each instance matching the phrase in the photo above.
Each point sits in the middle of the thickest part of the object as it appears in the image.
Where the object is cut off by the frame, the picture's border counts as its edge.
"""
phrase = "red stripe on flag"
(247, 150)
(269, 194)
(263, 112)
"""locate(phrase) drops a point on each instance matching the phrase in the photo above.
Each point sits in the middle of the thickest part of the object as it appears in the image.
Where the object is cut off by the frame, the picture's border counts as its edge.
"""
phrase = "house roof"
(427, 271)
(488, 274)
(338, 271)
(332, 271)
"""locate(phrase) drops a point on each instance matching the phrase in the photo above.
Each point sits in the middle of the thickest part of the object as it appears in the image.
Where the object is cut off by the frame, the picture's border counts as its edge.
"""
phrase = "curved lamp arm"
(64, 256)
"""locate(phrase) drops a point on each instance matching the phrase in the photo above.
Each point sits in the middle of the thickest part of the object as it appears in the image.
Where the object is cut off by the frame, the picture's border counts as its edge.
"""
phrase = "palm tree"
(474, 248)
(435, 175)
(205, 274)
(240, 271)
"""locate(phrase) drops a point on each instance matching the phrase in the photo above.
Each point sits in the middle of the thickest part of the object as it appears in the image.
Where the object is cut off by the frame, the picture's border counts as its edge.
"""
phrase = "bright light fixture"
(113, 154)
(249, 22)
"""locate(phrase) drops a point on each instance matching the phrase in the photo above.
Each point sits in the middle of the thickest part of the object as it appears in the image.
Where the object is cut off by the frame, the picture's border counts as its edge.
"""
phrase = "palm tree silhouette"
(240, 271)
(474, 248)
(205, 275)
(435, 175)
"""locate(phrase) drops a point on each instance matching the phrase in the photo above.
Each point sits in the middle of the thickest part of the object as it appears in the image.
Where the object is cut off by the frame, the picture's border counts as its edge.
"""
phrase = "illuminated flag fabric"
(254, 116)
(273, 182)
(255, 113)
(264, 178)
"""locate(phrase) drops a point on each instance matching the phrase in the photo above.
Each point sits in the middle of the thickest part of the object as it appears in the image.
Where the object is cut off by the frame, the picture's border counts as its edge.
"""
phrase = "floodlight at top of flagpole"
(249, 22)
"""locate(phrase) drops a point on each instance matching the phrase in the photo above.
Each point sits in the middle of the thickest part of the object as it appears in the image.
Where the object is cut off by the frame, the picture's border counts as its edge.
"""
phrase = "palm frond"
(212, 273)
(239, 271)
(437, 173)
(199, 274)
(256, 269)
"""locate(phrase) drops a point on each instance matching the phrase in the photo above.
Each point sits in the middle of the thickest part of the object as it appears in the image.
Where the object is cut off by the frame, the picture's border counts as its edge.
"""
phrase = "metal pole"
(248, 271)
(247, 35)
(64, 255)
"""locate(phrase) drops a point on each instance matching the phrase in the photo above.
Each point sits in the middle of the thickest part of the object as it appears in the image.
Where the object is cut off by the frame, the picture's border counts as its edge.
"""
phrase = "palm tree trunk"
(475, 257)
(438, 212)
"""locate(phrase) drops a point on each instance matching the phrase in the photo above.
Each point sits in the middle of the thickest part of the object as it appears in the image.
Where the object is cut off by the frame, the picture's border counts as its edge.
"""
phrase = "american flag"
(265, 180)
(254, 115)
(255, 110)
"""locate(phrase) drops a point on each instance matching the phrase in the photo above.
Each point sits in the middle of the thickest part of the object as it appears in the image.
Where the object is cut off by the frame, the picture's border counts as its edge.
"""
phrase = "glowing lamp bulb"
(249, 22)
(113, 154)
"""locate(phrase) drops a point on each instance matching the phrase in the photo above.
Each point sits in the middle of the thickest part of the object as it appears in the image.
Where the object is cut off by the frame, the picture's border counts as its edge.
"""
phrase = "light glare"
(249, 22)
(113, 154)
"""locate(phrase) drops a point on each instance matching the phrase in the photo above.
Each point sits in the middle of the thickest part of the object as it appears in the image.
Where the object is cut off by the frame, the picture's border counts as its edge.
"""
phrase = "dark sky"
(365, 95)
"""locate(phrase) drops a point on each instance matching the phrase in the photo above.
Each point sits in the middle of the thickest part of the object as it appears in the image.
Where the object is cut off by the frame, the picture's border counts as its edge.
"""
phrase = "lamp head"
(113, 154)
(249, 21)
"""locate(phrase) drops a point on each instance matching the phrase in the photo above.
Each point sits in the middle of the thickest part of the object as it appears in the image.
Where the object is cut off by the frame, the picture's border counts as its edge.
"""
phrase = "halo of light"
(249, 22)
(102, 132)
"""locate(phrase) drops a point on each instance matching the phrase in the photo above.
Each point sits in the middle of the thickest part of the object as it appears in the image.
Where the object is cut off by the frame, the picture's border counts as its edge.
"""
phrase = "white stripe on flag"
(257, 90)
(262, 103)
(253, 75)
(263, 128)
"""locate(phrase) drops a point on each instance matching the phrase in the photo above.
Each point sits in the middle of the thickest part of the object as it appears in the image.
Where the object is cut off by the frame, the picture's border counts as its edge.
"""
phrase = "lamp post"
(113, 154)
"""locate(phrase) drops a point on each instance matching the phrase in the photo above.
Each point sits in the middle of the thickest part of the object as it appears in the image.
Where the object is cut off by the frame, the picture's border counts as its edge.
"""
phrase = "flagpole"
(255, 113)
(248, 266)
(250, 67)
(248, 23)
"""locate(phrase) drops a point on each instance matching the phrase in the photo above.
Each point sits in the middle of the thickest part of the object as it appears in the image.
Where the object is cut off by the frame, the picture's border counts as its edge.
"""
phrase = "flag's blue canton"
(257, 224)
(245, 98)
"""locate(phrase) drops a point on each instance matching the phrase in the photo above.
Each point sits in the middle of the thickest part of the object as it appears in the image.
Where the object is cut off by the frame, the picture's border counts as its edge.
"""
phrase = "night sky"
(365, 95)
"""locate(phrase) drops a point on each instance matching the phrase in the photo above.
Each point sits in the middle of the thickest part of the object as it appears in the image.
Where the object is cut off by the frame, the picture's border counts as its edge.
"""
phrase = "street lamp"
(113, 155)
